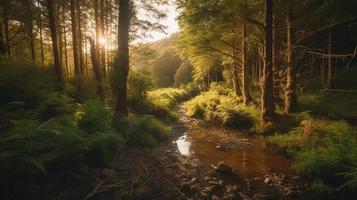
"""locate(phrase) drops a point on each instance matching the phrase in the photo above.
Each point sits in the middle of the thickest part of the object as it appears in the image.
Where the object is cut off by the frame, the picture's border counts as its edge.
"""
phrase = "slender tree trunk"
(29, 28)
(267, 85)
(51, 6)
(76, 63)
(122, 70)
(80, 37)
(7, 33)
(236, 82)
(329, 69)
(245, 88)
(102, 30)
(41, 37)
(96, 69)
(2, 41)
(290, 91)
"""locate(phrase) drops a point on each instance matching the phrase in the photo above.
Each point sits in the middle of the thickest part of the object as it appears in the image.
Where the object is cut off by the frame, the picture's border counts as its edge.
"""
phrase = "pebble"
(267, 180)
(260, 196)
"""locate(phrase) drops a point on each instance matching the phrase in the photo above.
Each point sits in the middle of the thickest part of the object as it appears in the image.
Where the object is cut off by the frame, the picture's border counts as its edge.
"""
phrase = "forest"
(243, 100)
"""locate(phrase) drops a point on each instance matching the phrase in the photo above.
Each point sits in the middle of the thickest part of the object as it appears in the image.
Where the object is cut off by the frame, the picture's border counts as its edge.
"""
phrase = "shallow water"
(245, 154)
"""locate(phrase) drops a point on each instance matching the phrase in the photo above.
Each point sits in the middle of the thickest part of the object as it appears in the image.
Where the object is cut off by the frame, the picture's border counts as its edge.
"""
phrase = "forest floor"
(163, 173)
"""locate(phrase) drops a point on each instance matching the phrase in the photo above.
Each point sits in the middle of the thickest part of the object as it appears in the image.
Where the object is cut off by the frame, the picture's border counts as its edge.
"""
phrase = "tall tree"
(267, 84)
(76, 61)
(290, 90)
(52, 17)
(28, 4)
(122, 68)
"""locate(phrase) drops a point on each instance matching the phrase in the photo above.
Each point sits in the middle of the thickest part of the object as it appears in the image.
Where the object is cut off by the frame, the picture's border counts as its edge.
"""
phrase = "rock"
(223, 168)
(213, 182)
(185, 187)
(267, 180)
(220, 182)
(260, 197)
(215, 197)
(295, 178)
(193, 180)
(195, 188)
(244, 196)
(204, 195)
(207, 178)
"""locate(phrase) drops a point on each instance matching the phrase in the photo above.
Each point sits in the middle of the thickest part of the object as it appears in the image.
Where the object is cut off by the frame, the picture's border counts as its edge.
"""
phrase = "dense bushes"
(147, 131)
(325, 152)
(220, 105)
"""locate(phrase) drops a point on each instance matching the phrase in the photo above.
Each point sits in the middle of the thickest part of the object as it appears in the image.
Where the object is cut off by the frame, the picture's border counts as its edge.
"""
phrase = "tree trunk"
(2, 41)
(80, 37)
(29, 28)
(51, 6)
(76, 63)
(329, 69)
(97, 31)
(246, 95)
(96, 69)
(123, 68)
(7, 33)
(41, 37)
(290, 91)
(102, 30)
(267, 85)
(236, 82)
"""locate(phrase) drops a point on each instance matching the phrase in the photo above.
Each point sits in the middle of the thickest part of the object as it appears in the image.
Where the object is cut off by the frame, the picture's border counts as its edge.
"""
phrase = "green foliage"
(24, 83)
(165, 67)
(220, 105)
(146, 131)
(165, 99)
(325, 153)
(94, 117)
(183, 74)
(139, 83)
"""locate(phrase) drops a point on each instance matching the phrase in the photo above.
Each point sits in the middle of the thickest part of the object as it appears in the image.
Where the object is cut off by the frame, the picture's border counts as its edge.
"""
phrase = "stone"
(296, 178)
(259, 196)
(267, 180)
(193, 180)
(215, 197)
(223, 168)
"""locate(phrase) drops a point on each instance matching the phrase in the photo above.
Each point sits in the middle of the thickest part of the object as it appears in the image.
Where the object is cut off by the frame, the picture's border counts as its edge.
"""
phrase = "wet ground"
(189, 167)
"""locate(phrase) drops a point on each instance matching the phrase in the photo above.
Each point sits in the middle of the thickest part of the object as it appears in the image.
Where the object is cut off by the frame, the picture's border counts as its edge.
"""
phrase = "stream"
(246, 154)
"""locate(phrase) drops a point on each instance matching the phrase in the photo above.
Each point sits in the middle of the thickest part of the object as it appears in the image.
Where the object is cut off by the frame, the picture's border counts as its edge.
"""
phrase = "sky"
(169, 21)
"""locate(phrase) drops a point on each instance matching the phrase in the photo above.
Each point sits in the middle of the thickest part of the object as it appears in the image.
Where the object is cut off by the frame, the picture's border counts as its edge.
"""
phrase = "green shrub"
(94, 117)
(325, 153)
(146, 131)
(24, 83)
(102, 148)
(222, 107)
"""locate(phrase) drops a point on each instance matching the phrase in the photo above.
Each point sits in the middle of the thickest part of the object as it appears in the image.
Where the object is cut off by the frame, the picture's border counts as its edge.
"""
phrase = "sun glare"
(102, 41)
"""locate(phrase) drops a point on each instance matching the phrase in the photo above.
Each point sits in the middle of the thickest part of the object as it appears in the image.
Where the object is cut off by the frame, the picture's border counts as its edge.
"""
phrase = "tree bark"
(29, 28)
(290, 90)
(246, 94)
(329, 69)
(102, 30)
(96, 68)
(76, 63)
(123, 68)
(7, 33)
(41, 37)
(51, 6)
(2, 41)
(80, 37)
(267, 85)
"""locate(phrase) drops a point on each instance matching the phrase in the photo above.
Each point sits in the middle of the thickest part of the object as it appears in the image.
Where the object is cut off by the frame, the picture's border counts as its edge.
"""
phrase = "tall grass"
(221, 106)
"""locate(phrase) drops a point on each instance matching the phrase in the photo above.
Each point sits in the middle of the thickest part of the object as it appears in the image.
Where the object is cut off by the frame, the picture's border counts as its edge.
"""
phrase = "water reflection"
(243, 153)
(183, 145)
